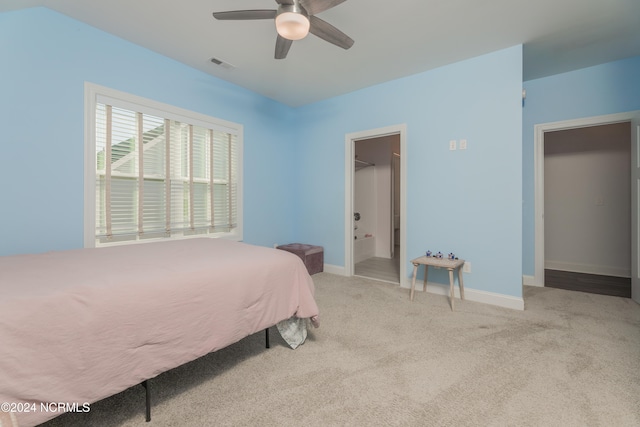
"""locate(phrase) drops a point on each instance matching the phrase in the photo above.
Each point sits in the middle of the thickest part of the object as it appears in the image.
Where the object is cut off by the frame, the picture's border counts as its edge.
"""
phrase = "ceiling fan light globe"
(292, 26)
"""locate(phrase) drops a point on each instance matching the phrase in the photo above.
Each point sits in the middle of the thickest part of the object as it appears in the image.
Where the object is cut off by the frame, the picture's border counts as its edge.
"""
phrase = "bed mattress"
(78, 326)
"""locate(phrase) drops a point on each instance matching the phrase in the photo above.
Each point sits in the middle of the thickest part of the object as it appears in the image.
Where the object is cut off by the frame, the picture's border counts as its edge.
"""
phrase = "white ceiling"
(392, 38)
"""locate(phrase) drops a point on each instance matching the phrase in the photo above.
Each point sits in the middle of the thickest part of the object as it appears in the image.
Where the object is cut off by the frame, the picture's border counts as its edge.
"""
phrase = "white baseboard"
(587, 268)
(500, 300)
(529, 281)
(335, 269)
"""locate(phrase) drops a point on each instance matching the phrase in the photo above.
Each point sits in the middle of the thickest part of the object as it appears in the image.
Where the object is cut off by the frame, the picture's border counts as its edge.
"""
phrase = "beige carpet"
(569, 359)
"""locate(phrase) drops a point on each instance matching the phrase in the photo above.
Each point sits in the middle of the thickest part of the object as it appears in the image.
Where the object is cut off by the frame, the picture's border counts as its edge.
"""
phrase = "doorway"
(376, 253)
(375, 217)
(632, 119)
(587, 198)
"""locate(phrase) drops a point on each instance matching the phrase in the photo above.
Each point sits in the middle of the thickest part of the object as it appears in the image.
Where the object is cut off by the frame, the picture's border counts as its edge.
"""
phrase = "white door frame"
(350, 140)
(539, 130)
(635, 208)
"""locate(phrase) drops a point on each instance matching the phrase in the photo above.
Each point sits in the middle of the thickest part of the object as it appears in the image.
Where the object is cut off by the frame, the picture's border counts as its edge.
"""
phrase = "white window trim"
(93, 94)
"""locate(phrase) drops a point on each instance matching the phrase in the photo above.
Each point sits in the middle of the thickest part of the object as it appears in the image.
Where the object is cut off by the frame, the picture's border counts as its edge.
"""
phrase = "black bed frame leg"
(145, 384)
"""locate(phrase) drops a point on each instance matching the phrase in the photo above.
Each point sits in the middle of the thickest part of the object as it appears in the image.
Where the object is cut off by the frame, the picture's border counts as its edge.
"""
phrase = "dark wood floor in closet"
(591, 283)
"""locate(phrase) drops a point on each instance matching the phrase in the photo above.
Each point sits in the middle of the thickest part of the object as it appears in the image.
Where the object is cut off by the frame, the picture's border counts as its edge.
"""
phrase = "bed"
(78, 326)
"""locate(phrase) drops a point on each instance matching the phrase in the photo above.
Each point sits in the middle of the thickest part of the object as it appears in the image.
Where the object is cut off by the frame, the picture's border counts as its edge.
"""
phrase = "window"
(155, 171)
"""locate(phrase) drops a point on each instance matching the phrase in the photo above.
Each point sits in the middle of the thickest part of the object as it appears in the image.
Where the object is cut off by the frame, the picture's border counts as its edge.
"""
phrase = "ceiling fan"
(294, 20)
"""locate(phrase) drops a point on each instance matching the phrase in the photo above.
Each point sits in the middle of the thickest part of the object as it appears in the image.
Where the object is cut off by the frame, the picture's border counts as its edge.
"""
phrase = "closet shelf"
(361, 164)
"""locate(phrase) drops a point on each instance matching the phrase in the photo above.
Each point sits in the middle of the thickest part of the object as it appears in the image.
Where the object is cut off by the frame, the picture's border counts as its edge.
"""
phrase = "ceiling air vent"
(222, 63)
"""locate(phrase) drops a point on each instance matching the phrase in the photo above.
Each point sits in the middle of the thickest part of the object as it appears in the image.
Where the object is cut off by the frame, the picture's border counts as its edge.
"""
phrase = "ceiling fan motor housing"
(292, 21)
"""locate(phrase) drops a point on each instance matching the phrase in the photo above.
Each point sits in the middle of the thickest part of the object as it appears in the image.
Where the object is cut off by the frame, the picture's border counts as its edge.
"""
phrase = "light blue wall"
(604, 89)
(468, 202)
(45, 59)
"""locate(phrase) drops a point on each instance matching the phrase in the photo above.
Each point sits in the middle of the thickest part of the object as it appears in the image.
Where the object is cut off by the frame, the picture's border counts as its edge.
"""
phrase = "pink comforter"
(78, 326)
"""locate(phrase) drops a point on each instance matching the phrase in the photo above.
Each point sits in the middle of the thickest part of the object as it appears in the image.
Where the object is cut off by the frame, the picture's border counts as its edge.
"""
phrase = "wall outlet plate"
(466, 267)
(452, 144)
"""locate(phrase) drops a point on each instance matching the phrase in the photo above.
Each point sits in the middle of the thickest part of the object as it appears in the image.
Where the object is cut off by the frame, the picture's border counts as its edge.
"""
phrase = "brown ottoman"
(312, 256)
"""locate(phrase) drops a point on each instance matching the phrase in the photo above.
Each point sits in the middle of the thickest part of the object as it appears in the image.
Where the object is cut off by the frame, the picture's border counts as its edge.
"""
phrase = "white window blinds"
(161, 177)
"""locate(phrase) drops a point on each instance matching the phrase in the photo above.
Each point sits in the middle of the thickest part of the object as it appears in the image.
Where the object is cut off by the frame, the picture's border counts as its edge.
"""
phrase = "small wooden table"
(449, 264)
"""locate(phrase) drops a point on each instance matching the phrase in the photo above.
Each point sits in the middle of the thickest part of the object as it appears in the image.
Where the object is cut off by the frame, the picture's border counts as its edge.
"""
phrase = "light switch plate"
(463, 144)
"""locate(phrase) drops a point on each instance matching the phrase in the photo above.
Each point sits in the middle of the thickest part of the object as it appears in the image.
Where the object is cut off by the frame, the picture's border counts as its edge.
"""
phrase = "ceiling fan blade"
(316, 6)
(241, 15)
(328, 32)
(282, 47)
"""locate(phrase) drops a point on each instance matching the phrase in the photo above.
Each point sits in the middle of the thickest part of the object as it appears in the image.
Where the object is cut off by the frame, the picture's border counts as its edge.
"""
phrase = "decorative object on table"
(429, 253)
(439, 255)
(451, 256)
